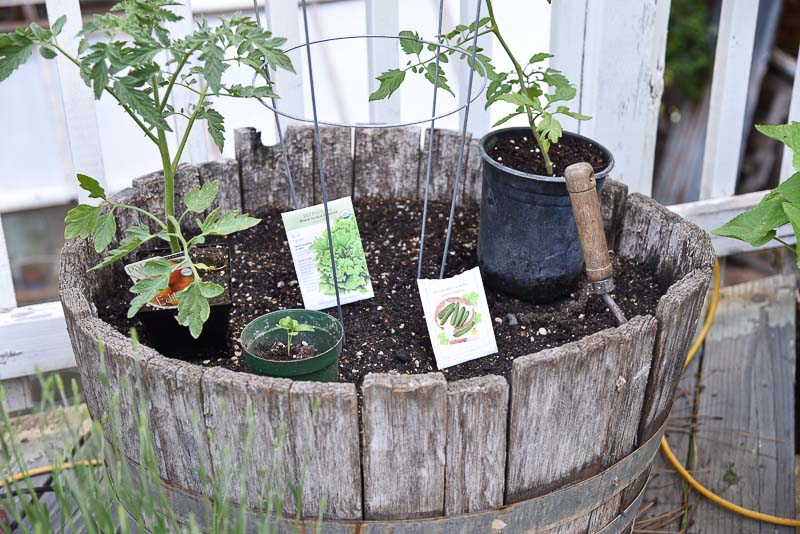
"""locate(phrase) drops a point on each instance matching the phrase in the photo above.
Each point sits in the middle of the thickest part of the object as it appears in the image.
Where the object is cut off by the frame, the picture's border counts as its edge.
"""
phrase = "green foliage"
(118, 54)
(292, 328)
(97, 222)
(689, 48)
(533, 89)
(351, 264)
(781, 206)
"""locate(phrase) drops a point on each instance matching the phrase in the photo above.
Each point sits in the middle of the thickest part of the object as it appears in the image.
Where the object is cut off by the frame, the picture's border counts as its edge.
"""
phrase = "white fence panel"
(34, 337)
(283, 17)
(479, 120)
(733, 57)
(794, 115)
(79, 104)
(382, 55)
(196, 150)
(7, 297)
(614, 54)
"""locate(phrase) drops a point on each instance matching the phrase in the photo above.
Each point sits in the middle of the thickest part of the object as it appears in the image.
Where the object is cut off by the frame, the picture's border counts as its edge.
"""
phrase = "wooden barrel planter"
(566, 446)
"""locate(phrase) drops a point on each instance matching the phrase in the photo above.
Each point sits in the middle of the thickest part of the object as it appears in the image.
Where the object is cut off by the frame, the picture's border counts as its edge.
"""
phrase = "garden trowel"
(586, 208)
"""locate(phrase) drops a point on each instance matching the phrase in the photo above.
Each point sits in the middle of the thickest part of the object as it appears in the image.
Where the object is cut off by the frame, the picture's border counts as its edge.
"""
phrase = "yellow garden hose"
(702, 490)
(699, 488)
(48, 469)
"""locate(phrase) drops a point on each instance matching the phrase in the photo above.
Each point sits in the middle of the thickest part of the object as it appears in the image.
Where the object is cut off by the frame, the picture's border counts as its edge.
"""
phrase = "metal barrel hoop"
(540, 513)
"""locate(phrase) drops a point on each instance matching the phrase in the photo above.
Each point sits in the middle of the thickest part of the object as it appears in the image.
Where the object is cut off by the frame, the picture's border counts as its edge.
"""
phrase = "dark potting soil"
(387, 333)
(523, 154)
(277, 352)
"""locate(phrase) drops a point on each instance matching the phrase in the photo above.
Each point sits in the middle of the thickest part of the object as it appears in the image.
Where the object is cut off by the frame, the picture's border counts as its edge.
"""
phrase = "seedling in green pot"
(293, 328)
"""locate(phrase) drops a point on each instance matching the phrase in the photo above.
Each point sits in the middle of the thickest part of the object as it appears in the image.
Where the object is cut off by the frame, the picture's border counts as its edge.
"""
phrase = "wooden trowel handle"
(586, 207)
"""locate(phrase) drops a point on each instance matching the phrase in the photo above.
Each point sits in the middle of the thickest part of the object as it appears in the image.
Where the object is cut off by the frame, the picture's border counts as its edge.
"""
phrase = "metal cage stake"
(318, 145)
(430, 145)
(460, 167)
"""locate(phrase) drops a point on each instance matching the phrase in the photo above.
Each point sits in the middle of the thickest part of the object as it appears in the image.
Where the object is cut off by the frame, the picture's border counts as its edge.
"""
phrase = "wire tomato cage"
(468, 100)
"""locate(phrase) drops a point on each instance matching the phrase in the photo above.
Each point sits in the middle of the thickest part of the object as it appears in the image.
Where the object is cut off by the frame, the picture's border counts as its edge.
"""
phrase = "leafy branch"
(98, 224)
(129, 54)
(781, 206)
(539, 93)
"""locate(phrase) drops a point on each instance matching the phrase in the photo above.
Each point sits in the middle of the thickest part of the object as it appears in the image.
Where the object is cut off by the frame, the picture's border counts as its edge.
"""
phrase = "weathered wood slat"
(444, 164)
(404, 425)
(745, 434)
(575, 409)
(229, 196)
(263, 172)
(612, 205)
(678, 312)
(172, 389)
(386, 162)
(473, 178)
(228, 400)
(477, 415)
(326, 451)
(337, 155)
(665, 494)
(661, 240)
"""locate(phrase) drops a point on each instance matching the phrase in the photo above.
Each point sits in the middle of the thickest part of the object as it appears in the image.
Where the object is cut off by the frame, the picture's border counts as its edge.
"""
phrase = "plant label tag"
(308, 242)
(458, 318)
(179, 279)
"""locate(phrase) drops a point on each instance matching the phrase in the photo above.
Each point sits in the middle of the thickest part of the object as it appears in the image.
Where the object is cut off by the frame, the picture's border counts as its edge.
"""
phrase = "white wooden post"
(196, 150)
(283, 17)
(613, 52)
(479, 117)
(79, 105)
(733, 57)
(8, 298)
(382, 54)
(794, 115)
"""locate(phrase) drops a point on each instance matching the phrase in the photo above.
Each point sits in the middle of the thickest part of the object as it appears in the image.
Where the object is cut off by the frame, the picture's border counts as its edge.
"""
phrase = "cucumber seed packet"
(308, 241)
(458, 318)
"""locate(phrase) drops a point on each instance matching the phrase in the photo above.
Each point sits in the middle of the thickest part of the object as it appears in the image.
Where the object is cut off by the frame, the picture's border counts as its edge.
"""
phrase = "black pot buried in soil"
(528, 243)
(160, 325)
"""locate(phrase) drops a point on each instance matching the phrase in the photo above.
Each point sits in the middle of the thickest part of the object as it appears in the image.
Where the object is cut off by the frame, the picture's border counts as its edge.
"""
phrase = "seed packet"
(308, 242)
(458, 318)
(179, 279)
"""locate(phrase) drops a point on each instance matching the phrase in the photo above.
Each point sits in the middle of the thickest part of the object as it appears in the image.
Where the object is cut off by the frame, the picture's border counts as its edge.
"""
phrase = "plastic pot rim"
(538, 177)
(290, 312)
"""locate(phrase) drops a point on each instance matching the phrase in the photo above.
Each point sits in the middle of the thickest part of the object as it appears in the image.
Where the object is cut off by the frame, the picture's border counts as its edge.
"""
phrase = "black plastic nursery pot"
(160, 326)
(528, 243)
(326, 338)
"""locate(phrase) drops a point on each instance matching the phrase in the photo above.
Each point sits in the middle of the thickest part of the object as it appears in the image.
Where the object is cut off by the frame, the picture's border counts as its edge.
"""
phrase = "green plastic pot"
(326, 338)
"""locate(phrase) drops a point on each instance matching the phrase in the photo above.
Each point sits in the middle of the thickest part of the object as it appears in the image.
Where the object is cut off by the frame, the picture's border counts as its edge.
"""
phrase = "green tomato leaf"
(193, 308)
(105, 228)
(229, 223)
(216, 126)
(518, 99)
(200, 198)
(210, 290)
(430, 75)
(15, 49)
(81, 221)
(564, 110)
(390, 82)
(47, 52)
(412, 45)
(91, 186)
(58, 25)
(214, 65)
(790, 188)
(135, 236)
(540, 56)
